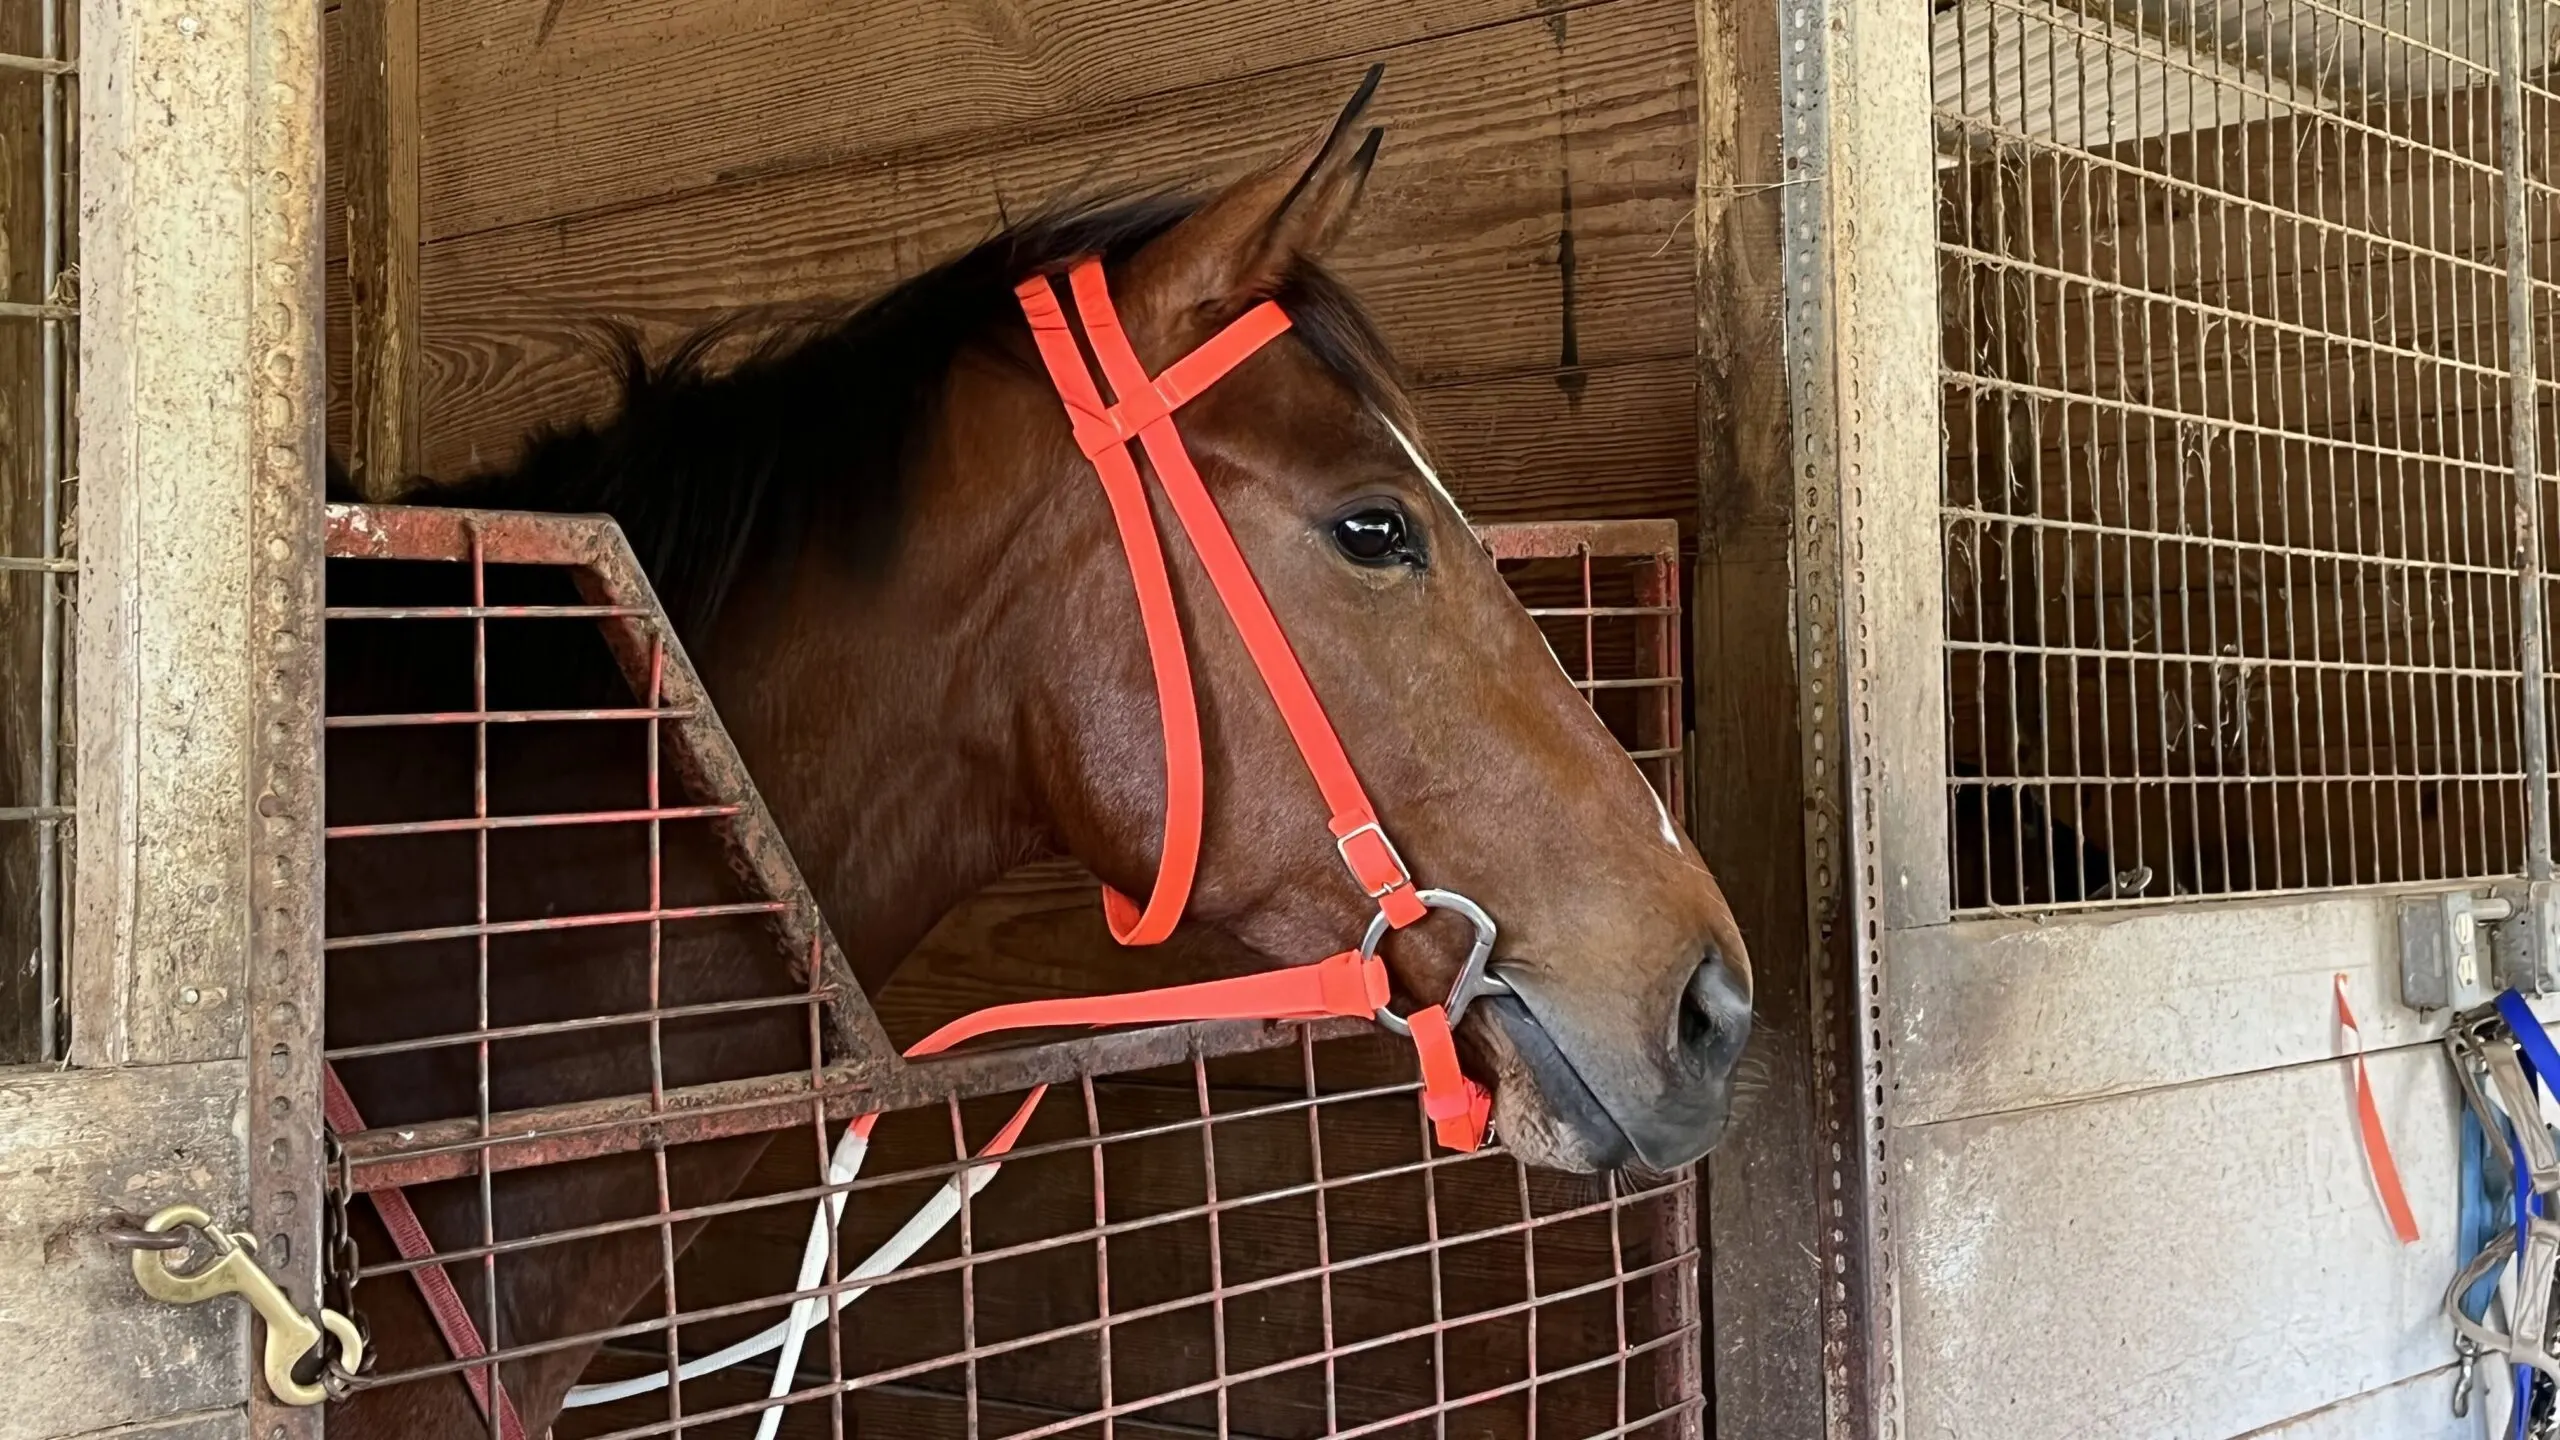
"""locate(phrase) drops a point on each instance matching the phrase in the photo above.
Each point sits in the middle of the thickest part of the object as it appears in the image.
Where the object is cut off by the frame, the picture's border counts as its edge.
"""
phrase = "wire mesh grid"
(2230, 501)
(1606, 594)
(38, 320)
(616, 1107)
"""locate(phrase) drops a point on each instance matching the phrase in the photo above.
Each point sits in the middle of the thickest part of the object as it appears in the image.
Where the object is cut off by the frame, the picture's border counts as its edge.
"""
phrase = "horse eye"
(1373, 537)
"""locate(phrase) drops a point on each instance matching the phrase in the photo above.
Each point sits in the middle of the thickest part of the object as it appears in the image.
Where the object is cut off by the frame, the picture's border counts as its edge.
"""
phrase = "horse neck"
(879, 715)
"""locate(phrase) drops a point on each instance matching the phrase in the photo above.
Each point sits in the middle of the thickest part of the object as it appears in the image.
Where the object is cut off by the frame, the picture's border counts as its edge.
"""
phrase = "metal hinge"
(292, 1338)
(2459, 948)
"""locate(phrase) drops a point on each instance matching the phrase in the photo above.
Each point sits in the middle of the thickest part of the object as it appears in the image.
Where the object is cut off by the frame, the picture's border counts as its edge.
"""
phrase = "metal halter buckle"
(1342, 847)
(1474, 977)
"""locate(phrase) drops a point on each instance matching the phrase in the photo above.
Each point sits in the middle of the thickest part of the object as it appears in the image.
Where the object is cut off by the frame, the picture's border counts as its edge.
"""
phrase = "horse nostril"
(1714, 1014)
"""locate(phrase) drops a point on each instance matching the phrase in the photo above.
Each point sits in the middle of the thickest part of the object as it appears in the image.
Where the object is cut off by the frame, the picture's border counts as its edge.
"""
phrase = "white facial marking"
(1413, 453)
(1670, 830)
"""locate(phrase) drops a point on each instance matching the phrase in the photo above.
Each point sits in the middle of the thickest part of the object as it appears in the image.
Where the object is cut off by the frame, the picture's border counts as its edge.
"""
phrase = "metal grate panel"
(39, 311)
(1206, 1229)
(2231, 510)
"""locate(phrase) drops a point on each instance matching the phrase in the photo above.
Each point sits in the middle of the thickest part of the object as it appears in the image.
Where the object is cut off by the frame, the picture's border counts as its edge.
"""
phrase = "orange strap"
(1185, 781)
(1460, 1109)
(2377, 1145)
(1104, 431)
(1341, 984)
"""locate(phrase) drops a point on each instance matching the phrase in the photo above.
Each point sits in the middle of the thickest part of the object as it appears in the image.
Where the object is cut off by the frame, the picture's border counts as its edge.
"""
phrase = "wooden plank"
(2195, 1261)
(340, 303)
(1762, 1187)
(2418, 1408)
(84, 1347)
(1615, 441)
(1999, 1015)
(200, 406)
(536, 112)
(380, 162)
(1503, 140)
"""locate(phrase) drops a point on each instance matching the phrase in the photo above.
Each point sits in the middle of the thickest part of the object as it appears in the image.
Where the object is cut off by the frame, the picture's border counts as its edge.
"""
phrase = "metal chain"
(341, 1269)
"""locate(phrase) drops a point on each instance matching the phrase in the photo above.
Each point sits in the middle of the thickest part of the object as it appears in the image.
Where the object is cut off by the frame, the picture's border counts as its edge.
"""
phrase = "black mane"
(714, 468)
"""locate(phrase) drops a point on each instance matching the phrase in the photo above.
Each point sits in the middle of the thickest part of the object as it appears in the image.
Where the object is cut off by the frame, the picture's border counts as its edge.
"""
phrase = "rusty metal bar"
(1611, 1283)
(1566, 539)
(651, 1016)
(2524, 433)
(504, 717)
(469, 823)
(487, 612)
(483, 930)
(1102, 1231)
(389, 1157)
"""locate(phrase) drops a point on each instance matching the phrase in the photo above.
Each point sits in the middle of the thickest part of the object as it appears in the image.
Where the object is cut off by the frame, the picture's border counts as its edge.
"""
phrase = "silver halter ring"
(1474, 978)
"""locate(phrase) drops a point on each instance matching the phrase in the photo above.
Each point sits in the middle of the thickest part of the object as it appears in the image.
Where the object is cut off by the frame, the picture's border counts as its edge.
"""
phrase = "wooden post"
(1763, 1282)
(195, 929)
(380, 115)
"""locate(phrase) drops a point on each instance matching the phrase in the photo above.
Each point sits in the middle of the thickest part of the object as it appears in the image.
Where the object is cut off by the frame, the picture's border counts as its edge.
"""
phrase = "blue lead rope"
(2540, 1059)
(2479, 1213)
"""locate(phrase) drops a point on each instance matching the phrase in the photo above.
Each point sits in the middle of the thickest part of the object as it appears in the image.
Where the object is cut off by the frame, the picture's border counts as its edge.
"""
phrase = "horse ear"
(1240, 246)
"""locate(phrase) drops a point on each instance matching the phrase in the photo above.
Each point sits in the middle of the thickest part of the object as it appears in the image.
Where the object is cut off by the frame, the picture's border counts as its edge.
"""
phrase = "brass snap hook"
(234, 1271)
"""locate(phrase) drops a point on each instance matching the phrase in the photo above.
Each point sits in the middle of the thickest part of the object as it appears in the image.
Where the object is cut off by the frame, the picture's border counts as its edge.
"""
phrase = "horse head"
(979, 689)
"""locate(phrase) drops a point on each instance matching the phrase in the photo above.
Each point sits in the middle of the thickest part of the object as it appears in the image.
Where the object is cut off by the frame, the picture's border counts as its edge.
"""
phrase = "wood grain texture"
(199, 335)
(2183, 1264)
(84, 1348)
(1746, 795)
(379, 139)
(539, 112)
(1615, 441)
(1502, 142)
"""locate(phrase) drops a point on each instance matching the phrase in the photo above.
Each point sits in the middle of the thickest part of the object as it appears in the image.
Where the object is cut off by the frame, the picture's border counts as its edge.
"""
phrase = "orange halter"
(1352, 982)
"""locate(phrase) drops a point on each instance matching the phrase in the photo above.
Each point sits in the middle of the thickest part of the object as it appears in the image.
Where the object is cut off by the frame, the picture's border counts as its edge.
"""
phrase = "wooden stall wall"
(1528, 242)
(1525, 240)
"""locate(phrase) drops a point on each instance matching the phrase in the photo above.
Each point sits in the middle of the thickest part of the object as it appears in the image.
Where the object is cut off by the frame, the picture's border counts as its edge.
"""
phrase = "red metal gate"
(1212, 1228)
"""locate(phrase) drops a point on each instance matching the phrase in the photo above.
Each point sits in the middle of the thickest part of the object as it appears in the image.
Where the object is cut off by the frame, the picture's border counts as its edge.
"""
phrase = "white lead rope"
(788, 1335)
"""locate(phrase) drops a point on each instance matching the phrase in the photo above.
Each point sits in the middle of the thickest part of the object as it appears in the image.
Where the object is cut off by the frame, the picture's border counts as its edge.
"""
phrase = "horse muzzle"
(1661, 1103)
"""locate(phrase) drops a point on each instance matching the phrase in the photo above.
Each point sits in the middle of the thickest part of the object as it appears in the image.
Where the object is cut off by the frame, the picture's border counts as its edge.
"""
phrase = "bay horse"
(903, 588)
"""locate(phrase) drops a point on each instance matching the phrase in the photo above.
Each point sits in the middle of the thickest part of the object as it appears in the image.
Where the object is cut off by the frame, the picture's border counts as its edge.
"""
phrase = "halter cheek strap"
(1143, 414)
